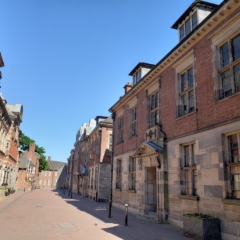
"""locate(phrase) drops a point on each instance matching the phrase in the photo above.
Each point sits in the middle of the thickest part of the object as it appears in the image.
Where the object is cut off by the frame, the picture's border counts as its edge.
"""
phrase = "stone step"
(152, 217)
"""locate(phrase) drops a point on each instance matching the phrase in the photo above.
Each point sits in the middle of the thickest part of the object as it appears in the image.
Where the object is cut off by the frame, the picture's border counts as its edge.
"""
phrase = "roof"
(141, 64)
(107, 120)
(56, 165)
(10, 113)
(154, 146)
(16, 108)
(147, 148)
(196, 3)
(26, 162)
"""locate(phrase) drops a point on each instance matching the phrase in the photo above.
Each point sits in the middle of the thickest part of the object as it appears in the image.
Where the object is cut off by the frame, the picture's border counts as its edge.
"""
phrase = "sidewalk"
(137, 229)
(50, 215)
(11, 199)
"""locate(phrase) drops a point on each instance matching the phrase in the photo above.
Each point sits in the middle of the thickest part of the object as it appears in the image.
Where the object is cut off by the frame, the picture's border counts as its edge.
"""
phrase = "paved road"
(46, 214)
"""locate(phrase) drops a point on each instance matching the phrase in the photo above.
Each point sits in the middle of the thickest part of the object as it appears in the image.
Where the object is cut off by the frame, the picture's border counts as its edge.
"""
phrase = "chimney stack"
(32, 147)
(127, 87)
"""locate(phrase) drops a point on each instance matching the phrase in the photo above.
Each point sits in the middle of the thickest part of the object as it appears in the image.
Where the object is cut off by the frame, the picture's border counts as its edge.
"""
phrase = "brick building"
(28, 169)
(11, 118)
(177, 127)
(91, 160)
(55, 177)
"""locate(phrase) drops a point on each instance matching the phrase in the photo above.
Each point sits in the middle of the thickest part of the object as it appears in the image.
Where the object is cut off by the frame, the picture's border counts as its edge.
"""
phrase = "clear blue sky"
(67, 61)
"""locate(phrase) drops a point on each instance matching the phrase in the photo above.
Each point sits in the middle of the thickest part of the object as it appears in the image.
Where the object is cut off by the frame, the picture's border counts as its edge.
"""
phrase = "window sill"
(233, 164)
(133, 136)
(186, 115)
(131, 191)
(231, 201)
(226, 98)
(190, 167)
(189, 197)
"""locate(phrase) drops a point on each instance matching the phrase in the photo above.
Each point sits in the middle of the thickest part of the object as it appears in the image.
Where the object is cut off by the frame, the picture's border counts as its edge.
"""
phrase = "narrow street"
(46, 214)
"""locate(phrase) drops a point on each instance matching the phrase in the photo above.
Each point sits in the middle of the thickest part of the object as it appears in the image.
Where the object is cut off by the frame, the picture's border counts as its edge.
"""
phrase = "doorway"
(151, 196)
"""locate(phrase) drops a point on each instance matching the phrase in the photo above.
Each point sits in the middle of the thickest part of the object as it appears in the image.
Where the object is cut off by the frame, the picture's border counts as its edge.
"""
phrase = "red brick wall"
(209, 112)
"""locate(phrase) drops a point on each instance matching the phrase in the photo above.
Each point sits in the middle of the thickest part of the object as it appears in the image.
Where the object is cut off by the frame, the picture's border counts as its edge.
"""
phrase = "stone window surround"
(132, 174)
(227, 31)
(133, 122)
(188, 173)
(120, 129)
(119, 174)
(229, 166)
(180, 67)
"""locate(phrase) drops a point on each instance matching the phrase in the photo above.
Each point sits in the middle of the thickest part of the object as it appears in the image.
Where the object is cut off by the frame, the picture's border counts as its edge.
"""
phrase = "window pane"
(226, 83)
(233, 145)
(188, 27)
(194, 20)
(152, 119)
(235, 182)
(190, 78)
(184, 104)
(183, 82)
(156, 100)
(186, 156)
(191, 101)
(181, 32)
(224, 55)
(236, 70)
(156, 117)
(194, 183)
(236, 48)
(152, 102)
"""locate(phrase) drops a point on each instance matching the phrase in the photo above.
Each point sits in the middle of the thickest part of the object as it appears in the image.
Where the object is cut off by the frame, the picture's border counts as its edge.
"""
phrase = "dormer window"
(193, 16)
(188, 26)
(140, 71)
(136, 76)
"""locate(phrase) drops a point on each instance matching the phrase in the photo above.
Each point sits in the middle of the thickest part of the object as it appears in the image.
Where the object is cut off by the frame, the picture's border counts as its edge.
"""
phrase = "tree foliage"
(25, 142)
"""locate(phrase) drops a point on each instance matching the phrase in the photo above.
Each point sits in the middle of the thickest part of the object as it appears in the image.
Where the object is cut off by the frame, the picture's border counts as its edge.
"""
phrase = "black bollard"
(71, 194)
(126, 215)
(110, 209)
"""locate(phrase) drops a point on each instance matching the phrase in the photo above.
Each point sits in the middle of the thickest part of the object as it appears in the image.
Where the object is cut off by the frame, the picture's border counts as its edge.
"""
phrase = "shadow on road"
(137, 229)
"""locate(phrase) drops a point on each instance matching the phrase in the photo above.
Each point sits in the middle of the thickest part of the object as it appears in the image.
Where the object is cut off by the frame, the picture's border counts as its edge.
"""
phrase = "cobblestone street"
(45, 214)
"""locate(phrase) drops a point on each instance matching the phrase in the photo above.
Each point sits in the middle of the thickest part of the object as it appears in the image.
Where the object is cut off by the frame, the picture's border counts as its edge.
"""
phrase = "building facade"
(177, 128)
(11, 118)
(90, 161)
(55, 177)
(28, 172)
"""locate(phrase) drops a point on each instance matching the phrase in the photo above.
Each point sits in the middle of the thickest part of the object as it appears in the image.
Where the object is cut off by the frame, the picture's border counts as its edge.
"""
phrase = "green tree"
(24, 143)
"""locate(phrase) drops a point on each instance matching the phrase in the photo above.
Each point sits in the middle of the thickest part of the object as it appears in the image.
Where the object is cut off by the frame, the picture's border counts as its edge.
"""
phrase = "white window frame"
(119, 174)
(191, 26)
(222, 35)
(188, 172)
(233, 166)
(132, 174)
(120, 131)
(133, 122)
(181, 67)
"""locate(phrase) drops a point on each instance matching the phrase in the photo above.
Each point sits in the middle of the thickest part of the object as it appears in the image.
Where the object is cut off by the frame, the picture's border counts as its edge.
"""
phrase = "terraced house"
(11, 118)
(90, 161)
(177, 127)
